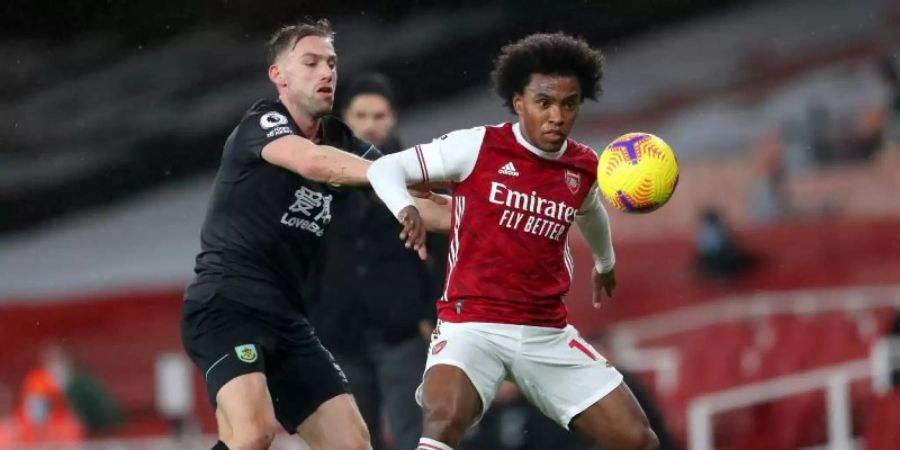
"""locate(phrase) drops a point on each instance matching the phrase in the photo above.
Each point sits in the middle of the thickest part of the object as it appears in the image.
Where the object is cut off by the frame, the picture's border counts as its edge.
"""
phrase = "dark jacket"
(369, 286)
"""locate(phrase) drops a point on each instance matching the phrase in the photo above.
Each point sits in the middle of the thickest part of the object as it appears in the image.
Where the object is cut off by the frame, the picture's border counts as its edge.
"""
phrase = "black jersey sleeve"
(340, 135)
(260, 126)
(365, 150)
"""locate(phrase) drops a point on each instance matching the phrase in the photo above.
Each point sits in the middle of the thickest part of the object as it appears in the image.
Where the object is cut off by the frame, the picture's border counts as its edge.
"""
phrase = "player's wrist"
(604, 265)
(407, 211)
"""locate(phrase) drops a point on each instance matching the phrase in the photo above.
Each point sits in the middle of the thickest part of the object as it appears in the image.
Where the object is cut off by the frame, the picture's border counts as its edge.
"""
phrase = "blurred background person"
(87, 395)
(767, 196)
(44, 414)
(367, 105)
(378, 333)
(60, 401)
(718, 253)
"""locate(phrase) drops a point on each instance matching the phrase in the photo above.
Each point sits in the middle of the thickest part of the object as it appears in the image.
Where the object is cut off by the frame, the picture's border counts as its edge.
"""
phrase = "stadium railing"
(664, 347)
(834, 379)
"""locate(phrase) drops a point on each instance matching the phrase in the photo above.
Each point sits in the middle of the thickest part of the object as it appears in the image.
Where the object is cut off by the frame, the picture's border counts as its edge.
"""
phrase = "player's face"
(309, 71)
(547, 109)
(371, 117)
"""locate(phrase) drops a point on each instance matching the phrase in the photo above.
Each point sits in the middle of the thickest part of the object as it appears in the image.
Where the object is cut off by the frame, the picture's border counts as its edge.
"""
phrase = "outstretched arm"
(593, 221)
(448, 159)
(390, 177)
(320, 163)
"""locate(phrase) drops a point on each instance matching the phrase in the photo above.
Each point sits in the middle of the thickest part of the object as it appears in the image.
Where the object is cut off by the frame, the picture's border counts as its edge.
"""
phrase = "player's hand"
(603, 282)
(425, 192)
(413, 233)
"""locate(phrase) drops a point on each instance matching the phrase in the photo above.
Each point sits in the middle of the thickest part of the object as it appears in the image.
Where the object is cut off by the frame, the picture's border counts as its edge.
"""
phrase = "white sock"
(431, 444)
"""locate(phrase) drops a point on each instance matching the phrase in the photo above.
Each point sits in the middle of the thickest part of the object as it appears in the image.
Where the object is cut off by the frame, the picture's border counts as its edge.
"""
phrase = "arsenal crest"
(573, 181)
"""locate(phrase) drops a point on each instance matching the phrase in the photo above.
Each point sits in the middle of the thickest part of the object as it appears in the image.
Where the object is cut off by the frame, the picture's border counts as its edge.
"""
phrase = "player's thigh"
(303, 377)
(616, 422)
(224, 427)
(561, 374)
(320, 430)
(449, 400)
(465, 367)
(246, 407)
(364, 386)
(225, 345)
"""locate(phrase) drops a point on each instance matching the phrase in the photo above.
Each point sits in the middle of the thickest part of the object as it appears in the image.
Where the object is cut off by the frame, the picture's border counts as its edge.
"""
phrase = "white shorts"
(556, 370)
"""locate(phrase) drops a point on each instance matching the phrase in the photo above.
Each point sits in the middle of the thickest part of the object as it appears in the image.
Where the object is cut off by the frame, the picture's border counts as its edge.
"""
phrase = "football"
(637, 173)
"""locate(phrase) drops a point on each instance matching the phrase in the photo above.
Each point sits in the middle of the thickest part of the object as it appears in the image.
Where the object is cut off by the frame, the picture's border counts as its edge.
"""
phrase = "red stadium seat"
(883, 431)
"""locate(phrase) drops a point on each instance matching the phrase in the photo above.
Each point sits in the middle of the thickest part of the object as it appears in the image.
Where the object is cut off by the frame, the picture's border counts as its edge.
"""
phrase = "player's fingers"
(406, 235)
(419, 237)
(414, 238)
(404, 224)
(421, 233)
(423, 253)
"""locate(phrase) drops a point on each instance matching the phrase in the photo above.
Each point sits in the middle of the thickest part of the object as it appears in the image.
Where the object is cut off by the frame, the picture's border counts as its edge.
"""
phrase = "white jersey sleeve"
(450, 157)
(593, 221)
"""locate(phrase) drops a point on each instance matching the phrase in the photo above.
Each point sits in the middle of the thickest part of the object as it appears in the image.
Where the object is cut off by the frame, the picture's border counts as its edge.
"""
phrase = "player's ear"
(276, 76)
(518, 103)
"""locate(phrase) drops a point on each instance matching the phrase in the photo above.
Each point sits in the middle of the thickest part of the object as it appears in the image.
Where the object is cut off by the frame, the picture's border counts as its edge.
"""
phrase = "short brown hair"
(288, 35)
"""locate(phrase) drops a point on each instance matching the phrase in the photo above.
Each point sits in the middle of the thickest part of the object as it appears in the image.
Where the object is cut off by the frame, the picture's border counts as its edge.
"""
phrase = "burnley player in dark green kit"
(243, 319)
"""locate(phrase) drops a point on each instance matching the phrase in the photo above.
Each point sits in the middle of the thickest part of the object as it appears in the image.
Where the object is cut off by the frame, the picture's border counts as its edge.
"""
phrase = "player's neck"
(522, 138)
(308, 125)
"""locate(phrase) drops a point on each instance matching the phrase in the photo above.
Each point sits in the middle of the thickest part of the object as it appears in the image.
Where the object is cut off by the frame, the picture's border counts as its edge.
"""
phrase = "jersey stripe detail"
(570, 263)
(371, 148)
(422, 164)
(453, 254)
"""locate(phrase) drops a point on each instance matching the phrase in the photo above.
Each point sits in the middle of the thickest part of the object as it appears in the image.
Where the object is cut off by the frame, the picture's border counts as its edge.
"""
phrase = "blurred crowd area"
(779, 253)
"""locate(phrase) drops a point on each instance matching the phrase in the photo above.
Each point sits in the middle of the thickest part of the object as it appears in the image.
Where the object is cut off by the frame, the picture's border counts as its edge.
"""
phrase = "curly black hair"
(550, 54)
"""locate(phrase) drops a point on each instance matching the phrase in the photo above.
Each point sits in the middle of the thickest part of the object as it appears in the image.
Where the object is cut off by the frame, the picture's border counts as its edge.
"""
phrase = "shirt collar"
(517, 132)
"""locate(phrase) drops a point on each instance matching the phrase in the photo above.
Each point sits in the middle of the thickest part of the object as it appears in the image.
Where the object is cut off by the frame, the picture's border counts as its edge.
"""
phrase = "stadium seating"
(882, 432)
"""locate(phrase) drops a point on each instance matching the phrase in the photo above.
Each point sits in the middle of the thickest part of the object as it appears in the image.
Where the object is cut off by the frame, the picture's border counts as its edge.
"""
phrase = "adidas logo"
(508, 169)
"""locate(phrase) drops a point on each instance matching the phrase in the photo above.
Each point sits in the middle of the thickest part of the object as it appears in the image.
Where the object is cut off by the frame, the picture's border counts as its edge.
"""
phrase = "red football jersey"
(509, 259)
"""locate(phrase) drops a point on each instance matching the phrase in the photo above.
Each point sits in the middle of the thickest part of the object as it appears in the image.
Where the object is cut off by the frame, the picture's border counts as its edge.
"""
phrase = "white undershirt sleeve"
(451, 157)
(593, 222)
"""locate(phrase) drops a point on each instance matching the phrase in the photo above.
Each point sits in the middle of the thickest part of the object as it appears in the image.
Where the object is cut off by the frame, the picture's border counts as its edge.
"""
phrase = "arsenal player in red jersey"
(517, 189)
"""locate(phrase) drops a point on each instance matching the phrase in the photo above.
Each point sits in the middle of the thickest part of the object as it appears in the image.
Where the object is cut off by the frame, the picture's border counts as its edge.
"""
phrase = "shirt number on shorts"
(583, 348)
